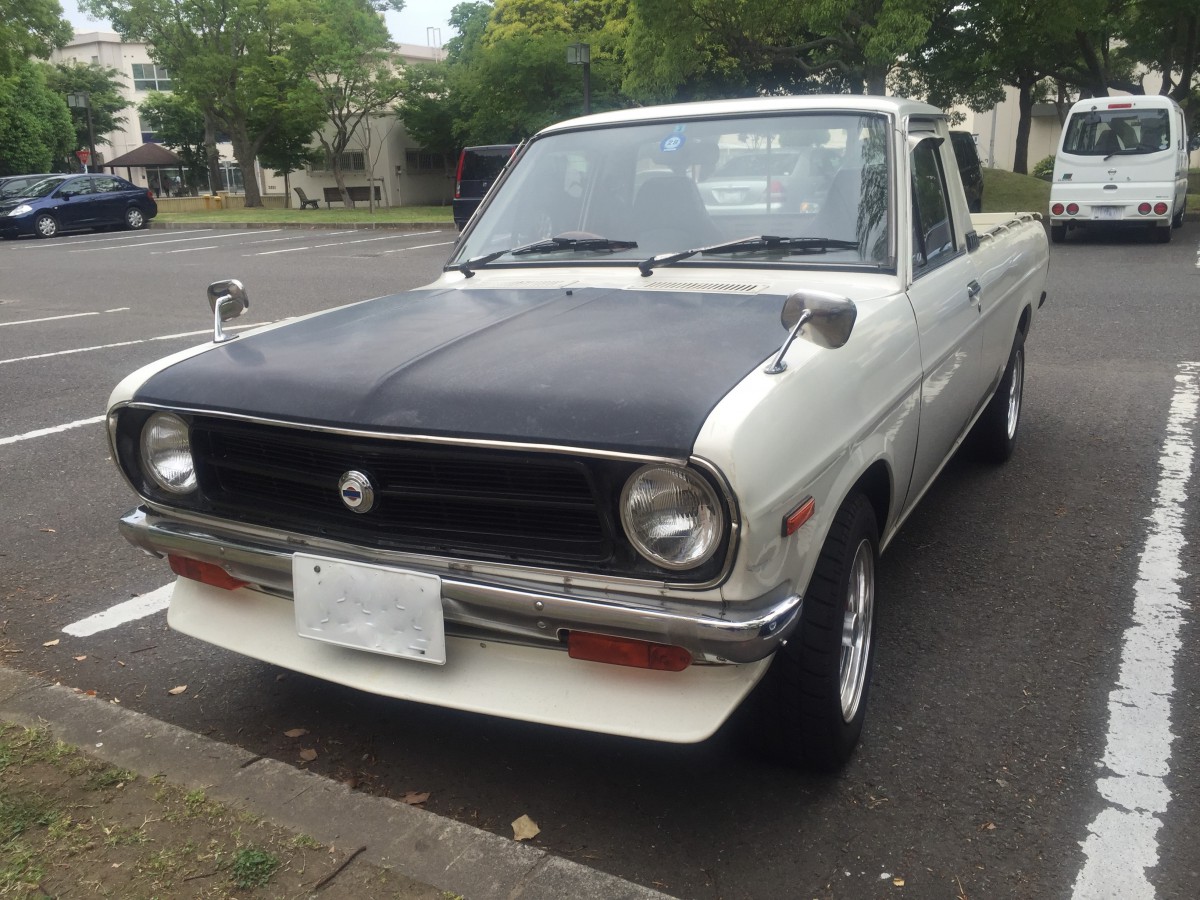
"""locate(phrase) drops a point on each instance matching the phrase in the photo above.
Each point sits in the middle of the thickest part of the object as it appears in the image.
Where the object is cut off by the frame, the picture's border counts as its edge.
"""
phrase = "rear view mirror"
(227, 300)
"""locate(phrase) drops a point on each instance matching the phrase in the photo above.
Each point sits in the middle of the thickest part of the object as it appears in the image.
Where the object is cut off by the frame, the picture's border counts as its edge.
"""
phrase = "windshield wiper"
(766, 242)
(567, 241)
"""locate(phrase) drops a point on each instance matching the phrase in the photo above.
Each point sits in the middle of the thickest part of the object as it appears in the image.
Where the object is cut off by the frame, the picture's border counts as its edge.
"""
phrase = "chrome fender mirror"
(228, 300)
(824, 319)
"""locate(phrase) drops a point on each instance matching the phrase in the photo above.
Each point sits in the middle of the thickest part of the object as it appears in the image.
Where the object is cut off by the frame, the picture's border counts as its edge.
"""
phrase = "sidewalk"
(394, 849)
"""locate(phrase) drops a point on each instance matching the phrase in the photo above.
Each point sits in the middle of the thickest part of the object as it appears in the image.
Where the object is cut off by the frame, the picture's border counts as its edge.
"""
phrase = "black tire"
(808, 710)
(134, 218)
(1058, 233)
(994, 436)
(1177, 221)
(45, 226)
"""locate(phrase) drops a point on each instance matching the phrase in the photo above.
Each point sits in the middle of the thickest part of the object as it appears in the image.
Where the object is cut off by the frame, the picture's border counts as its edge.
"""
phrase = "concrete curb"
(423, 846)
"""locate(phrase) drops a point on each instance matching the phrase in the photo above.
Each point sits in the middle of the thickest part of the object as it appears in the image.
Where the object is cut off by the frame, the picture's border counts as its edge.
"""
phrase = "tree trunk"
(1024, 120)
(244, 151)
(335, 165)
(212, 157)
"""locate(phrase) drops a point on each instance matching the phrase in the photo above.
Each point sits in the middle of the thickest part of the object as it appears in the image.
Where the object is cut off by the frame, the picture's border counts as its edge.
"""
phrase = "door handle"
(974, 289)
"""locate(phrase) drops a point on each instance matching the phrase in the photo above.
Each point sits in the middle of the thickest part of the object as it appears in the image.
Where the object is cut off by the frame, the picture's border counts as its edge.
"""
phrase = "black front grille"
(429, 498)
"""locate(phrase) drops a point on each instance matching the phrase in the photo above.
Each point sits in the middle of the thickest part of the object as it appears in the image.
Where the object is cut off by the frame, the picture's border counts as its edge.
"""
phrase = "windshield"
(670, 186)
(42, 188)
(1105, 132)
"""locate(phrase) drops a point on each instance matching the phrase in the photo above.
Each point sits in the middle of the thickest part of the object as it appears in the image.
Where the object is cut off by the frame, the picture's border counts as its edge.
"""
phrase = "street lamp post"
(82, 100)
(581, 55)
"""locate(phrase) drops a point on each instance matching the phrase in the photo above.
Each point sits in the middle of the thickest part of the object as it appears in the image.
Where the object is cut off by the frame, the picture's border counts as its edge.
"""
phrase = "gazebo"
(158, 162)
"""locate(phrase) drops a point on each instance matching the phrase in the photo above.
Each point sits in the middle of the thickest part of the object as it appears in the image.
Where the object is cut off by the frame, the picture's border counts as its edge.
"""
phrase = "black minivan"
(478, 168)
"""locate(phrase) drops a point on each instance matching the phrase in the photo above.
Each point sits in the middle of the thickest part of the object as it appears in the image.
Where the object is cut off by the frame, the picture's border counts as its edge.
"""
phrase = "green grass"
(253, 868)
(442, 215)
(1008, 192)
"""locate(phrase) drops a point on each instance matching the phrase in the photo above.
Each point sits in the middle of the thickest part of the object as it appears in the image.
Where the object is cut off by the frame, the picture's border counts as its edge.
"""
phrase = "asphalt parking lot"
(1023, 609)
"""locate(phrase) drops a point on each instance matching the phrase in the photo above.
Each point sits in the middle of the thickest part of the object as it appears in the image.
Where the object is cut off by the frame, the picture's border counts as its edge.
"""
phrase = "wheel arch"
(876, 485)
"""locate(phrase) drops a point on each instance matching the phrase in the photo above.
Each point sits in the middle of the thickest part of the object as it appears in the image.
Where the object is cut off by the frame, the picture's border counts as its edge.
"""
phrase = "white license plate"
(1107, 212)
(372, 608)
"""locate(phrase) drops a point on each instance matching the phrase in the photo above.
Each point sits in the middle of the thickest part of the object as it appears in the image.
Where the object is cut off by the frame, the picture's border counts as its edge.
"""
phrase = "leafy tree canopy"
(104, 95)
(30, 28)
(35, 127)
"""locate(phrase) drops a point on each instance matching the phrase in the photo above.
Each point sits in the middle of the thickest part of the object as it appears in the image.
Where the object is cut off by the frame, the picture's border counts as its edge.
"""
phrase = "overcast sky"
(407, 27)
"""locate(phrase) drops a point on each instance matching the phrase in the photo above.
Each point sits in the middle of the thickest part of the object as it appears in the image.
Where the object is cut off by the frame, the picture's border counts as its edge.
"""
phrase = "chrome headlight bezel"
(701, 542)
(165, 434)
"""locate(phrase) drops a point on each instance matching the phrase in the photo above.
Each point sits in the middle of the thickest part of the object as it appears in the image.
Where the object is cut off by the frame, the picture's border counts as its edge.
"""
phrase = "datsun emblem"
(357, 491)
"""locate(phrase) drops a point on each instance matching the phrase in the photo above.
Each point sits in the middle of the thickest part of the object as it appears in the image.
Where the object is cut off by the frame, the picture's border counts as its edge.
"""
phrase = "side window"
(933, 229)
(76, 187)
(106, 184)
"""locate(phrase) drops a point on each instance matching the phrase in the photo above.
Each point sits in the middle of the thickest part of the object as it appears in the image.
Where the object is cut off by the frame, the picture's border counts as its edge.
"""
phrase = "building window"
(147, 131)
(351, 160)
(148, 77)
(424, 161)
(231, 178)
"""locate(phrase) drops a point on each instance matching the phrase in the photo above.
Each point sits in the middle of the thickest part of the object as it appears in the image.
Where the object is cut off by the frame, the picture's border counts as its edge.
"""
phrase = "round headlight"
(167, 453)
(672, 516)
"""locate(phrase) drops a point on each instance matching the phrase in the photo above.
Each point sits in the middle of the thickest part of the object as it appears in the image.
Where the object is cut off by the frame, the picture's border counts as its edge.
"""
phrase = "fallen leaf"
(116, 865)
(121, 664)
(47, 531)
(308, 755)
(53, 643)
(80, 658)
(176, 691)
(296, 732)
(415, 798)
(524, 829)
(90, 693)
(898, 882)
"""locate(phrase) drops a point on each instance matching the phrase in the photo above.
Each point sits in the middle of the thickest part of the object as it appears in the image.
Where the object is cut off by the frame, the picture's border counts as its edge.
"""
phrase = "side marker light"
(206, 573)
(619, 651)
(798, 516)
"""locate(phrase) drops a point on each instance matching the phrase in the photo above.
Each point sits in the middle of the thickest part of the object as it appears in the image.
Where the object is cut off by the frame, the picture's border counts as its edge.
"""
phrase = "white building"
(403, 173)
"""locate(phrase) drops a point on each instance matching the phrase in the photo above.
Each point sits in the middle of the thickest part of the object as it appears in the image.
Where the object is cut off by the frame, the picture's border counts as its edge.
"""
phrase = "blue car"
(74, 202)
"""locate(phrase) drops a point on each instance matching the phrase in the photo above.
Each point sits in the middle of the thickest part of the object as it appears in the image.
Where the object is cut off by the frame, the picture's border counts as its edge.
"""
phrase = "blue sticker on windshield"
(671, 144)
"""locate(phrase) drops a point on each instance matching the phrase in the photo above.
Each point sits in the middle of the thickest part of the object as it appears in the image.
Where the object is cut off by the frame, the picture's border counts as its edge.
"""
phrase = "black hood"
(609, 369)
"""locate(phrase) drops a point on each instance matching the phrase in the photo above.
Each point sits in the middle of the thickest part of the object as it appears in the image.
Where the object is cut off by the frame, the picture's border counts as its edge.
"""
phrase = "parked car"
(14, 185)
(1122, 162)
(966, 154)
(754, 181)
(478, 168)
(625, 475)
(75, 202)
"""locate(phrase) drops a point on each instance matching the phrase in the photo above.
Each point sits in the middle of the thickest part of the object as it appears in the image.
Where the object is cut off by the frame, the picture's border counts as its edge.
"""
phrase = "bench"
(305, 202)
(359, 193)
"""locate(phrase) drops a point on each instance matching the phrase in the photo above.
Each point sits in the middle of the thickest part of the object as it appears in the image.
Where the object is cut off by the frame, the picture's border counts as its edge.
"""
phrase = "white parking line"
(419, 247)
(72, 242)
(1122, 843)
(208, 236)
(42, 432)
(163, 337)
(386, 237)
(69, 316)
(137, 608)
(182, 250)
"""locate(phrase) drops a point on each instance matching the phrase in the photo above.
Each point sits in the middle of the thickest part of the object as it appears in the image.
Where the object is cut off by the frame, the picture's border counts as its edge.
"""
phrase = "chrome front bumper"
(511, 610)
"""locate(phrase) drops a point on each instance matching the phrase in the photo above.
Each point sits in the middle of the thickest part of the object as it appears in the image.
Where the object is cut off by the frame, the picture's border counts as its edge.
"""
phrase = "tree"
(179, 124)
(228, 56)
(35, 127)
(104, 97)
(344, 50)
(289, 149)
(30, 28)
(714, 47)
(428, 108)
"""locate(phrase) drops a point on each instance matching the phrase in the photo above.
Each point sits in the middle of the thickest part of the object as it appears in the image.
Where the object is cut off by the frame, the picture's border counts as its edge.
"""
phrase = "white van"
(1121, 160)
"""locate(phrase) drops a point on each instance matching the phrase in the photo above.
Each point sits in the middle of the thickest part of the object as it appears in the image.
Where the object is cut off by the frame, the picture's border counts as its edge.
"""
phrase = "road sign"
(83, 156)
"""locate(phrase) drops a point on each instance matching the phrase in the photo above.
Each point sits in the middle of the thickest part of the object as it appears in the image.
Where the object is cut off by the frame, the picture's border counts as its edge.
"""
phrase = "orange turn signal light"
(798, 516)
(206, 573)
(620, 651)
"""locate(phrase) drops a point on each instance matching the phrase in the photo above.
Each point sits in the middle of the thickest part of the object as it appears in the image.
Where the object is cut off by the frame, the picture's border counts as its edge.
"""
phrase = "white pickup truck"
(628, 464)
